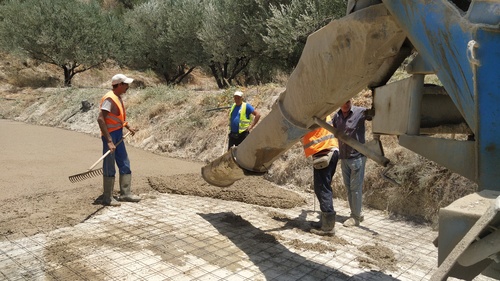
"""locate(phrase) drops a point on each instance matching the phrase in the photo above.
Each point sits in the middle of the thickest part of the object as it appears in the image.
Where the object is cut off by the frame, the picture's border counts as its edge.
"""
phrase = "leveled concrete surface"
(173, 237)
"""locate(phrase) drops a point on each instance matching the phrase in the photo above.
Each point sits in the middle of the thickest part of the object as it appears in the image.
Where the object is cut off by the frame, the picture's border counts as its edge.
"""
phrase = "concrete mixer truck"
(459, 42)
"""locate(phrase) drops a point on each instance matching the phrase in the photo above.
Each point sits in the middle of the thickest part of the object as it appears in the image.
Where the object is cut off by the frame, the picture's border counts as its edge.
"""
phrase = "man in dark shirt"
(351, 121)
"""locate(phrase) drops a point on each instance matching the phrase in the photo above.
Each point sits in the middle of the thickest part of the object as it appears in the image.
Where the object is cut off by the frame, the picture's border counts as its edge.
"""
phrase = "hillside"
(174, 121)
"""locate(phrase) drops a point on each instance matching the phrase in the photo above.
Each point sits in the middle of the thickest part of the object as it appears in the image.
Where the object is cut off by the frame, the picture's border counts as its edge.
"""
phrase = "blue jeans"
(353, 173)
(120, 156)
(323, 184)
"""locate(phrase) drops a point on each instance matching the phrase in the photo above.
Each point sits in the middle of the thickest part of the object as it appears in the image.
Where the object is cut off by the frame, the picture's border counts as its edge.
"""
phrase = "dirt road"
(35, 193)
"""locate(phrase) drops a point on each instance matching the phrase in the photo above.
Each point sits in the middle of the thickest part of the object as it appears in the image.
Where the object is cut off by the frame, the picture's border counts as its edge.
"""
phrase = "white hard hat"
(120, 78)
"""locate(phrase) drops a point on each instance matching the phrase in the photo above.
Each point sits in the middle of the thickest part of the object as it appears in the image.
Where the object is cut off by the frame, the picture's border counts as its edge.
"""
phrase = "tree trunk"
(179, 76)
(224, 74)
(68, 74)
(182, 74)
(217, 77)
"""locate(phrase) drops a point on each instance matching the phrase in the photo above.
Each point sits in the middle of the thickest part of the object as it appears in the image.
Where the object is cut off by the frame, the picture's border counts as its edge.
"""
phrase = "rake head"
(86, 175)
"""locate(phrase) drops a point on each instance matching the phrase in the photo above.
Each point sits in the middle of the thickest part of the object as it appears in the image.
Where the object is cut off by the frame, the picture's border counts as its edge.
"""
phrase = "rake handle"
(108, 152)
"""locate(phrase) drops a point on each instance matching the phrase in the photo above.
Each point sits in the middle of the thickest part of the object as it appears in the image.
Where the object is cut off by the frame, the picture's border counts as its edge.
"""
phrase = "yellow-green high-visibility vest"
(244, 121)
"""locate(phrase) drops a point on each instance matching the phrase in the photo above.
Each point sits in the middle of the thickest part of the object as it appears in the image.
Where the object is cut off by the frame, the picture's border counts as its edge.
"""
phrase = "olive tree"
(186, 47)
(227, 36)
(162, 37)
(74, 35)
(251, 40)
(290, 24)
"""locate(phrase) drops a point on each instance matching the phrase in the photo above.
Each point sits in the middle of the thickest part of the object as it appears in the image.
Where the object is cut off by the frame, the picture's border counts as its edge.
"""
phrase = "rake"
(97, 172)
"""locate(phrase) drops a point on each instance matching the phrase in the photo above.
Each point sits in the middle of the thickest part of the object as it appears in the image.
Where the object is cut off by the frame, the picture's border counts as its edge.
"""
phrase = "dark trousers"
(323, 184)
(235, 139)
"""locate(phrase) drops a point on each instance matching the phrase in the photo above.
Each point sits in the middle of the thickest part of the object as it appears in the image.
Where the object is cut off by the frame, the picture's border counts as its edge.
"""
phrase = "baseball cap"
(120, 78)
(238, 93)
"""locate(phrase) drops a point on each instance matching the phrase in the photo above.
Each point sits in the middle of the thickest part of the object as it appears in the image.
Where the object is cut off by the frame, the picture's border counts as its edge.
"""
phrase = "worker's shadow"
(273, 259)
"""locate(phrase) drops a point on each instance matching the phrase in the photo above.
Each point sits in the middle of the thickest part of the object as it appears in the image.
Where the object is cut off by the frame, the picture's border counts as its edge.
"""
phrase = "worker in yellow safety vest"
(241, 121)
(322, 146)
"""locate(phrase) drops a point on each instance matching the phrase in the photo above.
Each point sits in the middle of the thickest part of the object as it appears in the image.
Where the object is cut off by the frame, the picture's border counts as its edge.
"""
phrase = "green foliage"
(146, 43)
(248, 42)
(119, 7)
(185, 20)
(290, 25)
(71, 34)
(162, 37)
(230, 35)
(130, 4)
(239, 42)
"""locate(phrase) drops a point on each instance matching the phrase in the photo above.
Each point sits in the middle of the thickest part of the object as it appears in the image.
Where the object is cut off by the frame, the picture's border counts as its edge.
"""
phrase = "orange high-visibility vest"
(114, 122)
(318, 140)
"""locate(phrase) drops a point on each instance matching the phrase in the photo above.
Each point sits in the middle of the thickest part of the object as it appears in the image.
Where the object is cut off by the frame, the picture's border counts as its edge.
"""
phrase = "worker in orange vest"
(112, 119)
(322, 146)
